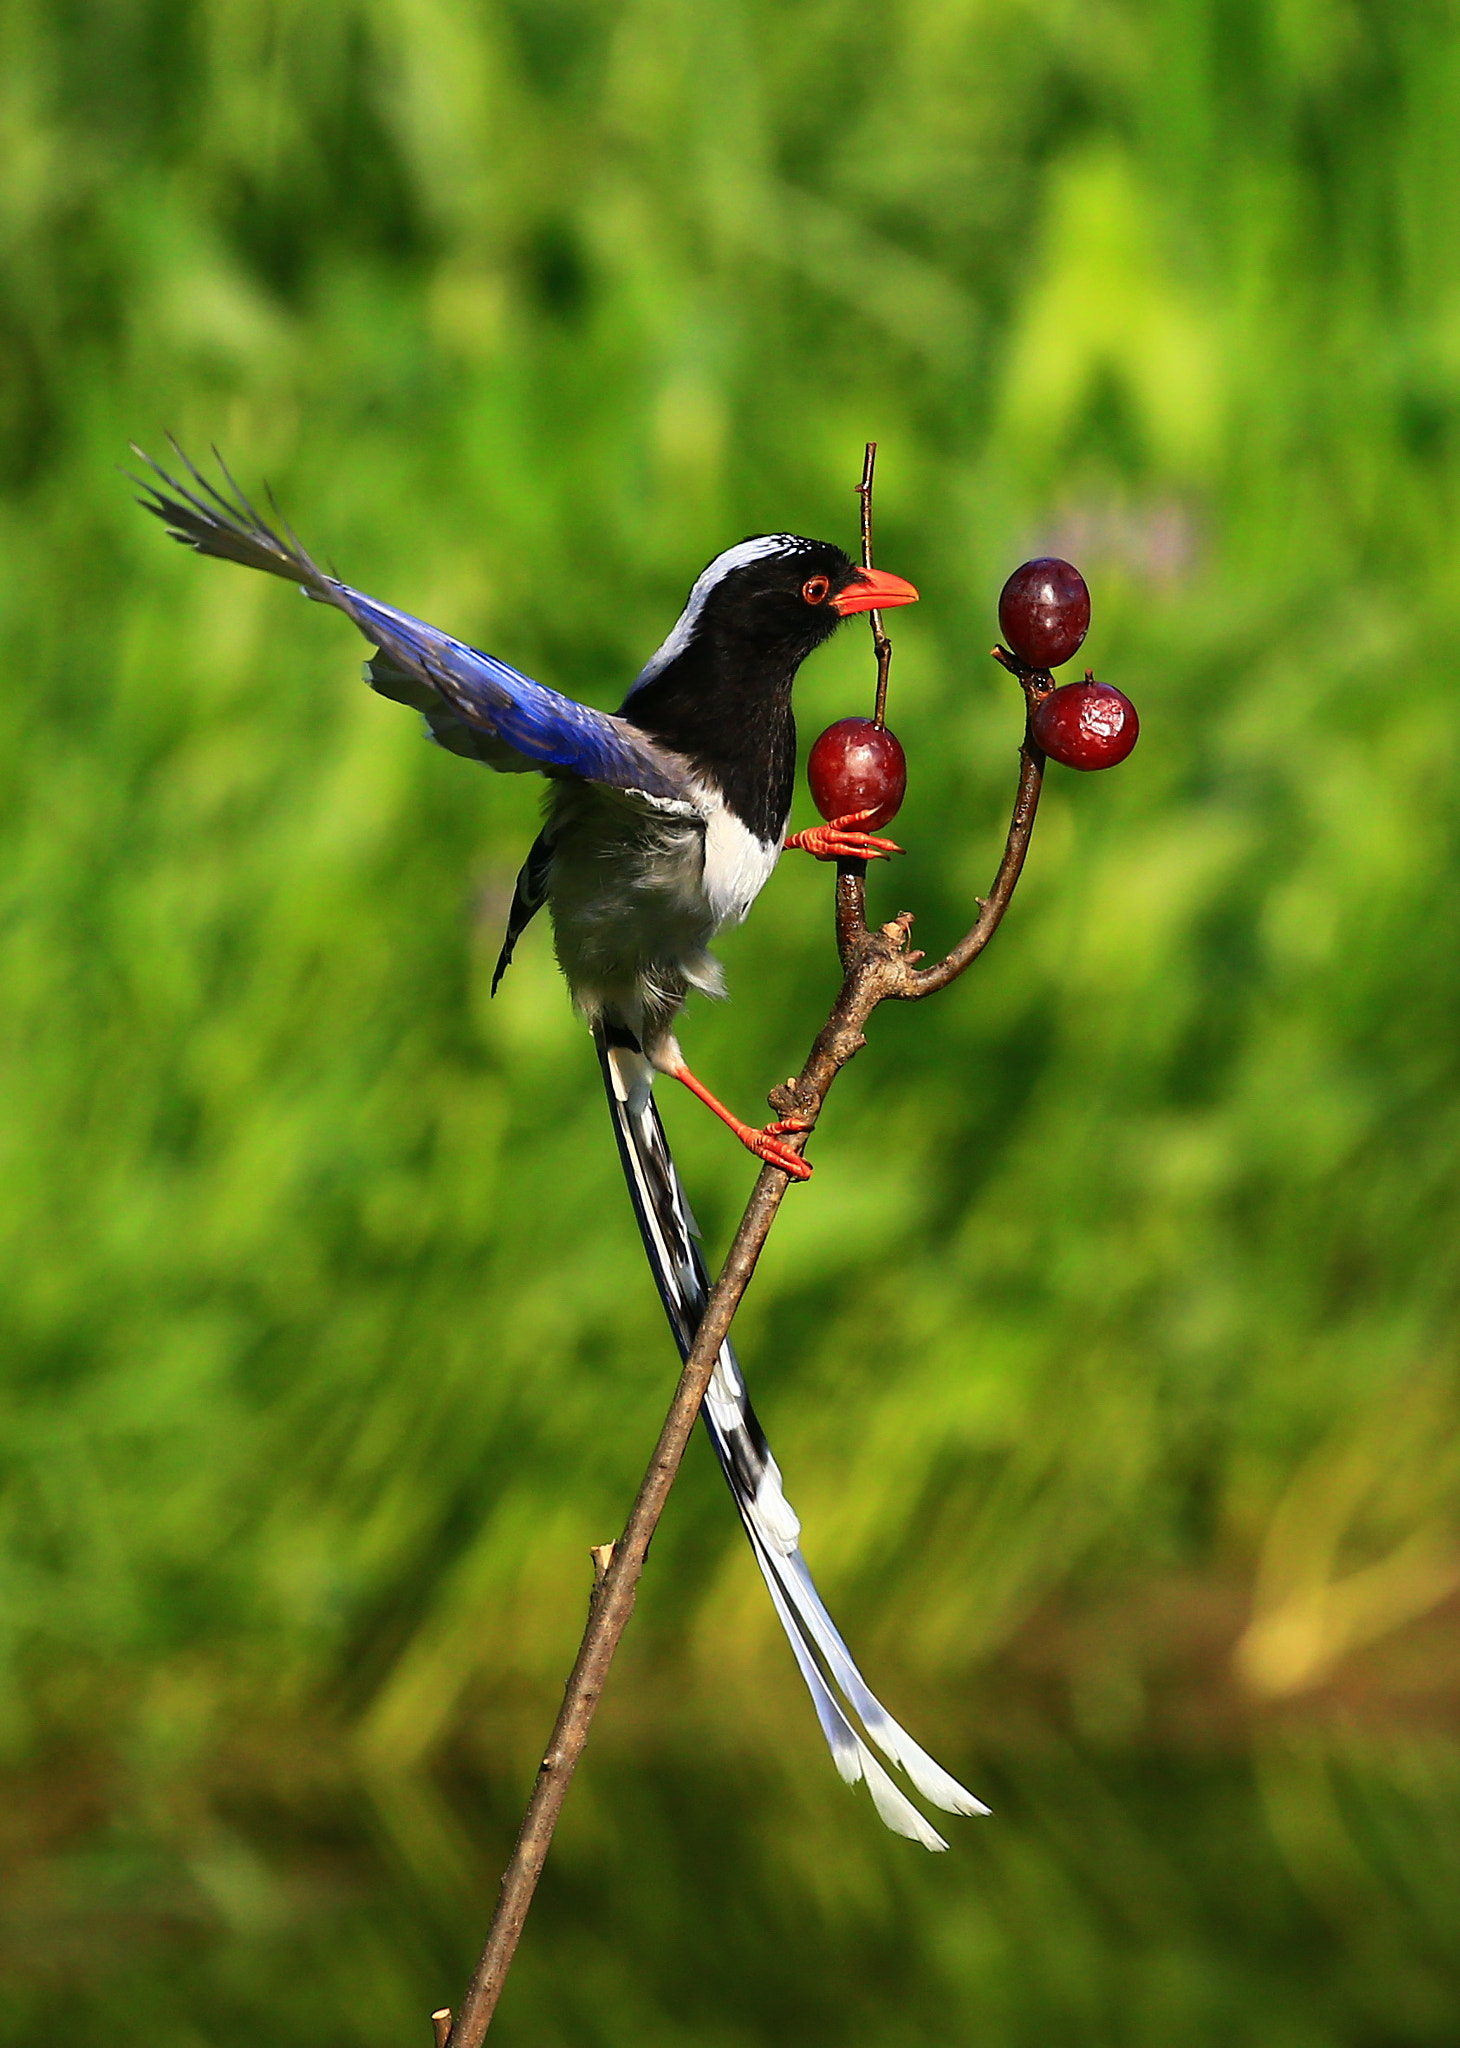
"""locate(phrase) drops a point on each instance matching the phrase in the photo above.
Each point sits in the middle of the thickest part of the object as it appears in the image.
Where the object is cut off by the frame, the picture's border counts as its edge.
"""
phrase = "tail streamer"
(839, 1693)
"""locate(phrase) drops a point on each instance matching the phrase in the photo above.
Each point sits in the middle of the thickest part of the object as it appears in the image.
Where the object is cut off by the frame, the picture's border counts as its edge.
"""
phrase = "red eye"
(814, 589)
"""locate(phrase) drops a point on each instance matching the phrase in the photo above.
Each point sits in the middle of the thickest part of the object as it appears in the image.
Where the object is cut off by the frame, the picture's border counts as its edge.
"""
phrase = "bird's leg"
(763, 1143)
(843, 839)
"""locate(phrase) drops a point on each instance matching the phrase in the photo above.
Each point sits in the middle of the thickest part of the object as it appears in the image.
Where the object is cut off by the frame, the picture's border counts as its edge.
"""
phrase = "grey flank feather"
(838, 1690)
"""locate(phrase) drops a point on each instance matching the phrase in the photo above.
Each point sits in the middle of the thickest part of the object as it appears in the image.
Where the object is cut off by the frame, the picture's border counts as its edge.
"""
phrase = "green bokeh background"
(1110, 1354)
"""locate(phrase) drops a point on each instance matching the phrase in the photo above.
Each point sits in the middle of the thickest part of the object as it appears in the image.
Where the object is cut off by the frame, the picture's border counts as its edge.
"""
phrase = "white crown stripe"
(738, 557)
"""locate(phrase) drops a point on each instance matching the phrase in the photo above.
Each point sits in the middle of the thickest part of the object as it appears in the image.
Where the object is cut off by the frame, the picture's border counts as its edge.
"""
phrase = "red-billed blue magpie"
(664, 821)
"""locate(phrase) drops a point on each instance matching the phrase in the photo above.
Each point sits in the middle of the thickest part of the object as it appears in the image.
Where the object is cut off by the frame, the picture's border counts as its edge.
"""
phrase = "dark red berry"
(858, 766)
(1044, 611)
(1086, 725)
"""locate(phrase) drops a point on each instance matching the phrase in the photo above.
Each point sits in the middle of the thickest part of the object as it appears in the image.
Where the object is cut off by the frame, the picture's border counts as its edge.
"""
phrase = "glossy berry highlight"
(856, 766)
(1086, 725)
(1044, 611)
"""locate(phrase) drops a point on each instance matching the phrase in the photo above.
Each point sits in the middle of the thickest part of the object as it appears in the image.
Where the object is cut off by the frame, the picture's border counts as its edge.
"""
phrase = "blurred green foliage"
(1110, 1355)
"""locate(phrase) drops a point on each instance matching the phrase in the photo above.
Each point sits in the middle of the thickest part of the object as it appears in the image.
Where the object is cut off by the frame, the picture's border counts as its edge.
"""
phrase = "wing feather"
(473, 703)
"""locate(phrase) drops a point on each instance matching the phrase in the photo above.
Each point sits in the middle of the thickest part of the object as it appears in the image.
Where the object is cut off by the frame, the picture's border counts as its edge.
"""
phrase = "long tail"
(754, 1477)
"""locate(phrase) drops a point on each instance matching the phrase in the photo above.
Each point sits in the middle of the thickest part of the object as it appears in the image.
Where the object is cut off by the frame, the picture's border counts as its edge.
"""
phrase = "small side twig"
(1037, 684)
(877, 965)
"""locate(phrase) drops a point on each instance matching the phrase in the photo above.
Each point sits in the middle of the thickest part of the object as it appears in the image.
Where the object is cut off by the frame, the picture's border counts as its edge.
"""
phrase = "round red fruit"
(1086, 725)
(1044, 611)
(858, 765)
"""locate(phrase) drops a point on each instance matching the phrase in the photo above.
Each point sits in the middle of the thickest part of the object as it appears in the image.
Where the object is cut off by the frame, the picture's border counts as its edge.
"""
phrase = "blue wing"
(473, 703)
(543, 728)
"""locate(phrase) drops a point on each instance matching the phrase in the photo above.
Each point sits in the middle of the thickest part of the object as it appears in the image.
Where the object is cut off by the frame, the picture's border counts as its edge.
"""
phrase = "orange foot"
(843, 839)
(762, 1143)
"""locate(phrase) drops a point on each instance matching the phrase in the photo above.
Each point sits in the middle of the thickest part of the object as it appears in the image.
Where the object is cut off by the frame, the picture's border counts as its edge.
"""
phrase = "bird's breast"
(737, 865)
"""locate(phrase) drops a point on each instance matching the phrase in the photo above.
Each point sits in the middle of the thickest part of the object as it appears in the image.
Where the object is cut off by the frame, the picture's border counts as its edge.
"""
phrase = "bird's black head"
(719, 689)
(769, 601)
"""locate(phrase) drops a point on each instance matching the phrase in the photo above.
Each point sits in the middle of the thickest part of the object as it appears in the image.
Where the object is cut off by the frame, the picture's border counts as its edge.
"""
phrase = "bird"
(664, 820)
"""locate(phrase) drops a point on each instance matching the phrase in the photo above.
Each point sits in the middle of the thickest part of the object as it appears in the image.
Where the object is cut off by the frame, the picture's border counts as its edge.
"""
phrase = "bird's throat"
(731, 715)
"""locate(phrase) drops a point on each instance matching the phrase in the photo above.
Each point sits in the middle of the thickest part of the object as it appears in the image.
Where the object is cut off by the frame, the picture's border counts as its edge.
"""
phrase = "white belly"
(737, 866)
(637, 895)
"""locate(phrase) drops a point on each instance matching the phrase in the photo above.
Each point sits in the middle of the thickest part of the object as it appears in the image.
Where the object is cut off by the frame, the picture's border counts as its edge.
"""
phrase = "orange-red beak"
(873, 590)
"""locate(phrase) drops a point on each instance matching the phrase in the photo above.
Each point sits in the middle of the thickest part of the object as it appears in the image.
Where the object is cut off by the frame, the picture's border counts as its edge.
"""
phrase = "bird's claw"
(765, 1145)
(843, 839)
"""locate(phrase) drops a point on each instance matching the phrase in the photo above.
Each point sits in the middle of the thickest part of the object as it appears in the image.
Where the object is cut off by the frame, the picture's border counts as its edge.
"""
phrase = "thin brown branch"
(851, 910)
(993, 906)
(1036, 683)
(880, 641)
(608, 1616)
(877, 965)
